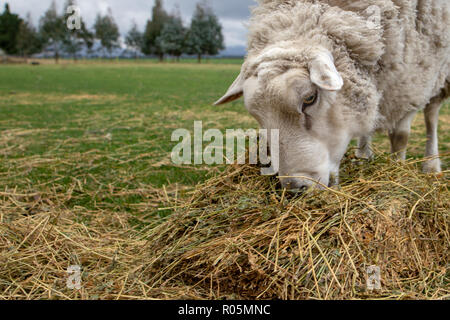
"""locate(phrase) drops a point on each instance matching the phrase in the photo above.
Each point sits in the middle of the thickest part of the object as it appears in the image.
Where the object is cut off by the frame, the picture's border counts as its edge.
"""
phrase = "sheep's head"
(299, 93)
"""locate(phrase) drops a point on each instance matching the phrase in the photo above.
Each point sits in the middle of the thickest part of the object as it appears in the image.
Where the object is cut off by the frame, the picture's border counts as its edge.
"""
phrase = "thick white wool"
(389, 70)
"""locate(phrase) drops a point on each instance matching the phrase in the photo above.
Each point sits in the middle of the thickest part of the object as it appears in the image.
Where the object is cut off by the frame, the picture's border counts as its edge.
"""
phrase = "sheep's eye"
(309, 101)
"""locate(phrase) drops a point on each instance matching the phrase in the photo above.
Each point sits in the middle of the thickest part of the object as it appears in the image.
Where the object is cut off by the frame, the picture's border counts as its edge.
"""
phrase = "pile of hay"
(238, 236)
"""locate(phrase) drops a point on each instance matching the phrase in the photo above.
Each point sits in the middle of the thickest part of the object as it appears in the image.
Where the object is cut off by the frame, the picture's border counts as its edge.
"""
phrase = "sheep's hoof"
(364, 154)
(432, 166)
(334, 179)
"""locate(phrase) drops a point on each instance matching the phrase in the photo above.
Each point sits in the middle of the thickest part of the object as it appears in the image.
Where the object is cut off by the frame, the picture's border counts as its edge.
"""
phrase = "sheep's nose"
(294, 185)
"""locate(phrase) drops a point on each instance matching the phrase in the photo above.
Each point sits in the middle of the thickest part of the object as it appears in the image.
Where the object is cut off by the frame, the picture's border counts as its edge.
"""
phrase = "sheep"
(326, 72)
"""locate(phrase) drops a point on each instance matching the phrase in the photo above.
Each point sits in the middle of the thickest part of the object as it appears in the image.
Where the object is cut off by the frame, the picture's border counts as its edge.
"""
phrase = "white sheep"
(326, 72)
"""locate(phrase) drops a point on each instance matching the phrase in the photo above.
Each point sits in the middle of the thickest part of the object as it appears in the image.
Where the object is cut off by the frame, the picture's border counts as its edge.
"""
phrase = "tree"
(153, 30)
(173, 37)
(52, 29)
(205, 34)
(135, 39)
(76, 38)
(9, 28)
(107, 31)
(28, 41)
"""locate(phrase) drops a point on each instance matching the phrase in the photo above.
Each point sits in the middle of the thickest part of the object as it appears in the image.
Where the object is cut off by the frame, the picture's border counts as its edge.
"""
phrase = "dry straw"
(239, 236)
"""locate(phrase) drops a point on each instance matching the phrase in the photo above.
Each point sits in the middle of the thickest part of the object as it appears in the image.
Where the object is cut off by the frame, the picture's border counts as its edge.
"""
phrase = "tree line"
(164, 34)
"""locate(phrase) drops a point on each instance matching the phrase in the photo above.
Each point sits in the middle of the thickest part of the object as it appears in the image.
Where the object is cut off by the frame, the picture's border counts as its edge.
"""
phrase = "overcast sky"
(233, 14)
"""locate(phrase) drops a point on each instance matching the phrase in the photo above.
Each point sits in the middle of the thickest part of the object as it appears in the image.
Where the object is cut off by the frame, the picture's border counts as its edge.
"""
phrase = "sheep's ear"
(324, 74)
(234, 92)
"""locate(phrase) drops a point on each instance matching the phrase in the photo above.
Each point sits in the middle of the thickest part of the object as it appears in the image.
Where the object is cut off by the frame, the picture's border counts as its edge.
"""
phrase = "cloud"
(235, 32)
(232, 13)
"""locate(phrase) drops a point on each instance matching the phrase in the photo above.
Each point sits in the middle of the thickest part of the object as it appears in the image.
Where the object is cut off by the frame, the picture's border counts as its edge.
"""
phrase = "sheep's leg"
(432, 151)
(364, 150)
(334, 177)
(400, 135)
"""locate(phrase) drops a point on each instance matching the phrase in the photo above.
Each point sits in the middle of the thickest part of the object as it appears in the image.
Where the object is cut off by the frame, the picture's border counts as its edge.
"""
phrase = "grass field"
(113, 122)
(106, 124)
(93, 139)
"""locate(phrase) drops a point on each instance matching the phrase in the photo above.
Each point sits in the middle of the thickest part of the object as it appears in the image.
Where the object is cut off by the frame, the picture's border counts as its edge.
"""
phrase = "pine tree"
(9, 28)
(153, 30)
(173, 37)
(135, 39)
(52, 29)
(28, 41)
(205, 34)
(107, 31)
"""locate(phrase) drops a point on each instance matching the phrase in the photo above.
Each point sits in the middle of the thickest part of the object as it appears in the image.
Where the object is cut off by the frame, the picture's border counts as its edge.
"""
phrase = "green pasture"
(101, 132)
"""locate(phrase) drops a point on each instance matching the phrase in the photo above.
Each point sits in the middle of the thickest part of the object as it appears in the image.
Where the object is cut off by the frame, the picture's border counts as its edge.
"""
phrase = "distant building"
(3, 56)
(96, 51)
